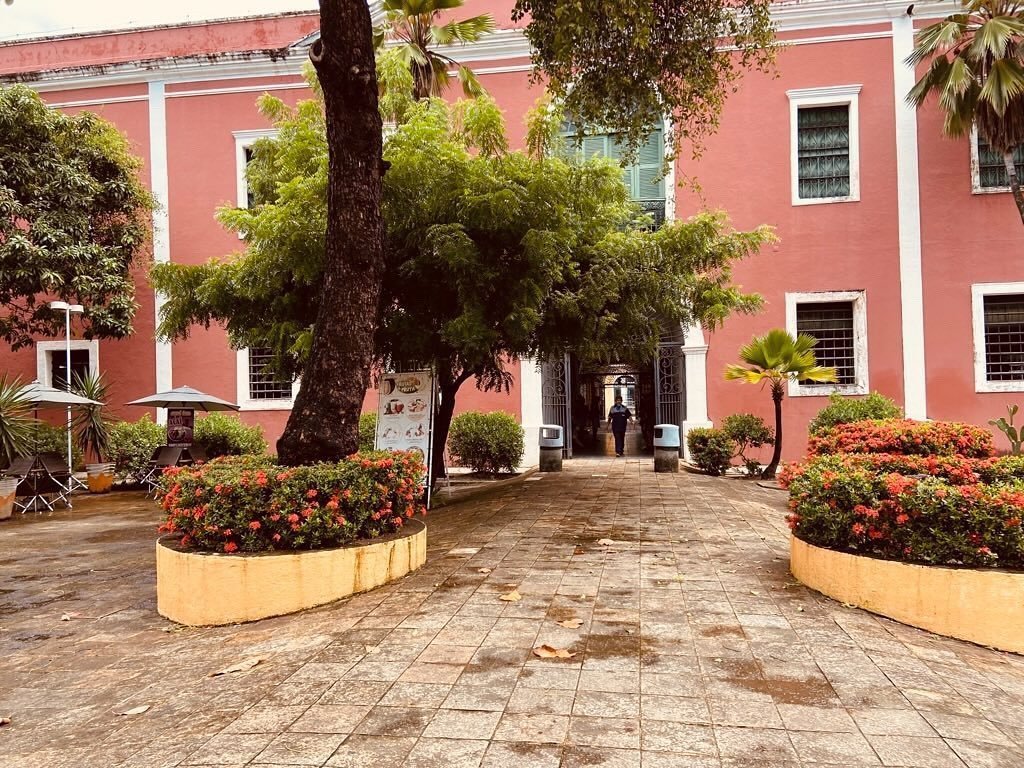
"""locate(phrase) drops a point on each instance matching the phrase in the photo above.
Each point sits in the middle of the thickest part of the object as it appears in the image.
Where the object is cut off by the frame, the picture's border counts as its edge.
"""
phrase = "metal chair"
(194, 454)
(57, 468)
(35, 484)
(166, 456)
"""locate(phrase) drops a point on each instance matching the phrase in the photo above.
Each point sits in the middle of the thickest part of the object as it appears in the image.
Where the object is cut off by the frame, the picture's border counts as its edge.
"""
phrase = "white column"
(531, 408)
(695, 357)
(909, 208)
(161, 221)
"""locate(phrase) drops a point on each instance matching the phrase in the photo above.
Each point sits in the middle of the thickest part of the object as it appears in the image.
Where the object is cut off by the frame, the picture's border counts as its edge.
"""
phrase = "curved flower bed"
(251, 504)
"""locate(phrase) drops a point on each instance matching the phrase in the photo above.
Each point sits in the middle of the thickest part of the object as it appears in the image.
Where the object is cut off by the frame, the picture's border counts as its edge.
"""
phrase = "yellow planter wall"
(212, 589)
(983, 606)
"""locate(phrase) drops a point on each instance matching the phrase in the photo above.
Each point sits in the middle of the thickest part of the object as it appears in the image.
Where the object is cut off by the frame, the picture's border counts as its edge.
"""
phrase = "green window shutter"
(650, 181)
(823, 152)
(992, 170)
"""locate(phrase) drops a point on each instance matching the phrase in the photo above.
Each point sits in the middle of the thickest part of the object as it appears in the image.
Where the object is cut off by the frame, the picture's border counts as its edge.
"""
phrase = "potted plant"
(15, 433)
(91, 431)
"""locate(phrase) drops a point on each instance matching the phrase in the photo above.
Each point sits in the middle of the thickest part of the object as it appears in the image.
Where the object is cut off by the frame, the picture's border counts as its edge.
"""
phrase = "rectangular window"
(264, 384)
(1004, 337)
(249, 201)
(992, 169)
(823, 152)
(831, 324)
(80, 367)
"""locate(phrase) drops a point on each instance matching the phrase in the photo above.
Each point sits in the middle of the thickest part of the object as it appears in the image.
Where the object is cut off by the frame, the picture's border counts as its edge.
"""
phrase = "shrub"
(367, 431)
(747, 431)
(222, 435)
(844, 504)
(47, 438)
(846, 410)
(250, 504)
(131, 444)
(487, 442)
(711, 449)
(924, 438)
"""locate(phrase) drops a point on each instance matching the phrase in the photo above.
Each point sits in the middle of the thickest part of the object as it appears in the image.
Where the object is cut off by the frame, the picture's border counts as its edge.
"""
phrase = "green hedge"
(47, 438)
(251, 504)
(905, 436)
(846, 410)
(222, 435)
(487, 442)
(131, 447)
(367, 431)
(711, 449)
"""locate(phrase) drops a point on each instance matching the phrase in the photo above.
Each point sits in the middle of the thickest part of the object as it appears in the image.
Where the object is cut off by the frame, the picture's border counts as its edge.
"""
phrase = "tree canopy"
(74, 220)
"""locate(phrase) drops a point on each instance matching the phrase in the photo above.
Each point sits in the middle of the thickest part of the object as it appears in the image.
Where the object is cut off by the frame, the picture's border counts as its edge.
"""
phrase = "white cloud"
(31, 18)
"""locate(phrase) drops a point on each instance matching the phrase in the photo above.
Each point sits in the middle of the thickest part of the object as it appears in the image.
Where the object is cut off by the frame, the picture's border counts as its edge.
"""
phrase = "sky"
(32, 18)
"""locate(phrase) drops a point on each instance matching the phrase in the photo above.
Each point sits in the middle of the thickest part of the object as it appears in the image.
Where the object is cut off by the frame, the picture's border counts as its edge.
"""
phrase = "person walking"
(618, 419)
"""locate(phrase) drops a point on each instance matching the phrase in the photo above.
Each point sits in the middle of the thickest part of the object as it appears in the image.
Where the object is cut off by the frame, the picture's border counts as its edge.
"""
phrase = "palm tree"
(412, 25)
(15, 419)
(776, 359)
(977, 72)
(91, 422)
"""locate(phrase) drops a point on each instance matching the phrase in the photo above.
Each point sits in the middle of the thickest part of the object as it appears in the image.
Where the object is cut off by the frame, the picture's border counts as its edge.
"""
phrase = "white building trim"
(44, 362)
(161, 223)
(978, 293)
(531, 408)
(827, 96)
(244, 140)
(695, 382)
(247, 403)
(860, 341)
(908, 191)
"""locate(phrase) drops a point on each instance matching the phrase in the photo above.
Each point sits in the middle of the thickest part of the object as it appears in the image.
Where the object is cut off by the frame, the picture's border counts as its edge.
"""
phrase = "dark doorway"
(595, 389)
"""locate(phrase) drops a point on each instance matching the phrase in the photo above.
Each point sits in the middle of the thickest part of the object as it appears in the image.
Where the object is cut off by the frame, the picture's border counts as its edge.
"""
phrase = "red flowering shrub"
(905, 436)
(251, 504)
(929, 510)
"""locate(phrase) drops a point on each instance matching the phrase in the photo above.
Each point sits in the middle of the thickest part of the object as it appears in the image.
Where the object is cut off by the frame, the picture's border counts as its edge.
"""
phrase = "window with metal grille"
(823, 152)
(832, 325)
(264, 383)
(991, 168)
(1004, 337)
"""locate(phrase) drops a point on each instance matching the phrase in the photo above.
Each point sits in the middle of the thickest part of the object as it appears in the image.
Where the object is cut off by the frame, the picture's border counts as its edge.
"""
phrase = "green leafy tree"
(74, 220)
(776, 359)
(636, 62)
(977, 72)
(491, 255)
(415, 30)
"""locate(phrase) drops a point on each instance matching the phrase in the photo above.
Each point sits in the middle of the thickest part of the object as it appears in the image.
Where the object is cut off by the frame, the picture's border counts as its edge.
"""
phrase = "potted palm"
(91, 431)
(15, 433)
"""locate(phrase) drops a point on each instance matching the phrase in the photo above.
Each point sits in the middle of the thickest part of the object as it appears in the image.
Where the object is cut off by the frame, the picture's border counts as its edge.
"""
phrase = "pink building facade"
(898, 248)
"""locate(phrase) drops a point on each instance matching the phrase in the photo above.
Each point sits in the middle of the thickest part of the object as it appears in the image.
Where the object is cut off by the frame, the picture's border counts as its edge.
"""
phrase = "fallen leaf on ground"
(605, 542)
(511, 597)
(135, 710)
(484, 570)
(571, 623)
(241, 666)
(548, 652)
(5, 721)
(65, 617)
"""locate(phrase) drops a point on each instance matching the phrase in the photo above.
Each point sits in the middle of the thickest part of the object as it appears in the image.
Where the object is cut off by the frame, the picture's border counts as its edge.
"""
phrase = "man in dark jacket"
(618, 418)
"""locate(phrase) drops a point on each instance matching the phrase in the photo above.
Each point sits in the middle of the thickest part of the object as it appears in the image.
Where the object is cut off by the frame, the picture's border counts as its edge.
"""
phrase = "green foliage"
(1014, 434)
(777, 358)
(91, 425)
(367, 431)
(840, 502)
(222, 435)
(74, 220)
(625, 65)
(15, 420)
(49, 438)
(747, 431)
(131, 444)
(846, 410)
(487, 442)
(250, 504)
(711, 449)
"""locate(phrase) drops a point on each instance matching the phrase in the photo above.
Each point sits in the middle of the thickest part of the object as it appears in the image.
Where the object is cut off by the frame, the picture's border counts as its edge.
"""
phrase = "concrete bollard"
(552, 442)
(666, 448)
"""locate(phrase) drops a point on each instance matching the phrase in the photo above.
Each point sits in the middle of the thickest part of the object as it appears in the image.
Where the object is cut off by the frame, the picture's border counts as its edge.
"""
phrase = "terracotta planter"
(100, 477)
(210, 589)
(8, 487)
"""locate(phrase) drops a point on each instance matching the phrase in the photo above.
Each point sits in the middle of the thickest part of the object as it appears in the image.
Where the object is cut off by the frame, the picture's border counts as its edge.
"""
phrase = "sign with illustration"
(180, 425)
(405, 414)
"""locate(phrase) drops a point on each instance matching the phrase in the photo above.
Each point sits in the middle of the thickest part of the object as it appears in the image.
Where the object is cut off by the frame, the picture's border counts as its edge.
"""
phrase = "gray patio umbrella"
(185, 397)
(41, 395)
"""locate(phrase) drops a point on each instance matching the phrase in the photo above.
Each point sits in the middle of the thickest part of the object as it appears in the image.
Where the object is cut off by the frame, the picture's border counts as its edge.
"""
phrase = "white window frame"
(243, 141)
(829, 96)
(860, 341)
(247, 403)
(44, 368)
(976, 188)
(978, 293)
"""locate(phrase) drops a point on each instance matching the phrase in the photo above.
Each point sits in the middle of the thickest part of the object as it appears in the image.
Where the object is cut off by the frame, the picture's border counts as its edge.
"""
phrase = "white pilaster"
(909, 208)
(161, 220)
(695, 358)
(531, 408)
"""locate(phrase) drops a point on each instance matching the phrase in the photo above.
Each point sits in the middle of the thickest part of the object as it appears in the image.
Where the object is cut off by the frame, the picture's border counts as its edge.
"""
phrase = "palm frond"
(466, 31)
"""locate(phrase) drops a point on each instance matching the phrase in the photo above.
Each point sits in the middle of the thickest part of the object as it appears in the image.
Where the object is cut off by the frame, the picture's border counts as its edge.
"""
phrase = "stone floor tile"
(541, 701)
(978, 755)
(446, 753)
(532, 728)
(462, 724)
(421, 672)
(586, 757)
(604, 704)
(447, 654)
(963, 728)
(892, 722)
(676, 760)
(355, 692)
(520, 755)
(377, 751)
(605, 732)
(264, 719)
(230, 748)
(403, 694)
(395, 721)
(477, 697)
(848, 749)
(802, 717)
(915, 752)
(744, 713)
(680, 709)
(300, 749)
(760, 744)
(665, 736)
(610, 682)
(552, 677)
(330, 718)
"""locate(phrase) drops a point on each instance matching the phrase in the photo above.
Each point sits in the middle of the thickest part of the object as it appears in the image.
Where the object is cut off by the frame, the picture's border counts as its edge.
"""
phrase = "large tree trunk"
(1011, 171)
(448, 388)
(324, 423)
(773, 465)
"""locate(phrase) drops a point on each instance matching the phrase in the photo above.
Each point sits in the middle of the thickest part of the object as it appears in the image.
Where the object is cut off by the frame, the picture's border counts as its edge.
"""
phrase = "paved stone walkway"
(696, 649)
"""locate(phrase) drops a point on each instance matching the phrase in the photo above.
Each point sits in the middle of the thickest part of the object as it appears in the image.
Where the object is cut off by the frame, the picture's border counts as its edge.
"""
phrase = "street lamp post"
(68, 309)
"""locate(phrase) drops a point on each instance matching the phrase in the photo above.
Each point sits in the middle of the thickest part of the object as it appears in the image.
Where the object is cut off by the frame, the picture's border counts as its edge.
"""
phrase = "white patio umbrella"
(185, 397)
(41, 395)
